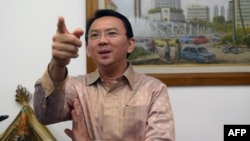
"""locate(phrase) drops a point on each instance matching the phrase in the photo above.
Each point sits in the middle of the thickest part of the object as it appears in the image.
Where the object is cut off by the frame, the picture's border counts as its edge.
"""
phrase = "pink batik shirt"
(135, 108)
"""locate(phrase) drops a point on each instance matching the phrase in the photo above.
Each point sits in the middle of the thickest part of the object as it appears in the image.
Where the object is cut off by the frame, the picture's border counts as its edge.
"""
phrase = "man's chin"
(105, 63)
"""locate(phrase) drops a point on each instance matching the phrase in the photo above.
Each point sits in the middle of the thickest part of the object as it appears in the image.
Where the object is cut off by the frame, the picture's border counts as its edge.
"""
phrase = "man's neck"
(112, 73)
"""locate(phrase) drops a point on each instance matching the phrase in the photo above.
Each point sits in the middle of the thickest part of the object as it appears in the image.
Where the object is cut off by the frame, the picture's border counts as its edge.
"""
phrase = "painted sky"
(123, 5)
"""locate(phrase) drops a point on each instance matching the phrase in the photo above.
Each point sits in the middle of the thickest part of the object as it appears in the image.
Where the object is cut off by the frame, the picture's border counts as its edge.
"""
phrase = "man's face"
(107, 42)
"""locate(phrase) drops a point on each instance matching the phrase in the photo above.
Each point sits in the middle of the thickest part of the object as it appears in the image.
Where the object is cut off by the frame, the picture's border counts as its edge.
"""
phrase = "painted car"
(160, 42)
(230, 49)
(187, 39)
(197, 54)
(172, 41)
(216, 38)
(200, 39)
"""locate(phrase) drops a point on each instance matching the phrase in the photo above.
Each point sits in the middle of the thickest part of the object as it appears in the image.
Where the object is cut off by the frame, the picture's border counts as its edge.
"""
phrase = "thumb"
(61, 26)
(68, 132)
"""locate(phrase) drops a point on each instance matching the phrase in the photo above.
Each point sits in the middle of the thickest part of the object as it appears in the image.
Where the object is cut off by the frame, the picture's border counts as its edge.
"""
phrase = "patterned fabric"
(135, 108)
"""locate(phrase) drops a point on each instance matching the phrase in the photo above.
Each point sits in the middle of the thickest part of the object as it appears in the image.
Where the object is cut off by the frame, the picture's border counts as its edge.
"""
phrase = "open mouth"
(104, 53)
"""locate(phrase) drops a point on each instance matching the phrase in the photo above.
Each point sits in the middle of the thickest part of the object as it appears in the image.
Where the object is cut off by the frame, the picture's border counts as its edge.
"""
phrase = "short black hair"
(107, 12)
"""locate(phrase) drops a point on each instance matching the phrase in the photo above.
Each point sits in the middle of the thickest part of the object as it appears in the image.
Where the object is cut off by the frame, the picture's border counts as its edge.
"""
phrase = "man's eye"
(94, 35)
(112, 33)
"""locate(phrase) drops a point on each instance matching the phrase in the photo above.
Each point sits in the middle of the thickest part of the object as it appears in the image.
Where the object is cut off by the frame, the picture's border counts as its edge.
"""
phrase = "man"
(114, 103)
(178, 50)
(167, 52)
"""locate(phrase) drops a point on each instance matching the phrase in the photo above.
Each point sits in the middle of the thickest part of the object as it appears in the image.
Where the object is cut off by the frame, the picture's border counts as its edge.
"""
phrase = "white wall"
(26, 27)
(201, 112)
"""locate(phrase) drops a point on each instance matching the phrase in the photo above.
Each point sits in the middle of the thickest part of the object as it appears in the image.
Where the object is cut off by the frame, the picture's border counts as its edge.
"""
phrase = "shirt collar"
(128, 74)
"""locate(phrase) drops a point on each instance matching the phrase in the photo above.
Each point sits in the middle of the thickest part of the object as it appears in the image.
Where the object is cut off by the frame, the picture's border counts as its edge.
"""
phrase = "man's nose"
(103, 37)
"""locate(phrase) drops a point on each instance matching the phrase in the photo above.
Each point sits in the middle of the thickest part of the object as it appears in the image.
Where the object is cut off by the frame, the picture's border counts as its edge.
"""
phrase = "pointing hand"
(65, 44)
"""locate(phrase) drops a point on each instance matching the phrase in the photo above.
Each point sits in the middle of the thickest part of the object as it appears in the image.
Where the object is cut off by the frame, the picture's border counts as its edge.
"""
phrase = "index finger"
(61, 26)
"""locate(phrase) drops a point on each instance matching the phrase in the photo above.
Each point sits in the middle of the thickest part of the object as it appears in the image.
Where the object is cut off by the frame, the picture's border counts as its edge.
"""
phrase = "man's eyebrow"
(93, 30)
(113, 28)
(108, 29)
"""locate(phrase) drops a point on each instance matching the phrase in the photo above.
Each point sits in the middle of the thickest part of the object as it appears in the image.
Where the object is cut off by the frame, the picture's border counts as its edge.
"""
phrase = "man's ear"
(131, 45)
(88, 50)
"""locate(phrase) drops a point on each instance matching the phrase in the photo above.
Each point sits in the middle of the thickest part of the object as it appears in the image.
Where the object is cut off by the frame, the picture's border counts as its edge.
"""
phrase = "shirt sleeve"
(51, 104)
(160, 121)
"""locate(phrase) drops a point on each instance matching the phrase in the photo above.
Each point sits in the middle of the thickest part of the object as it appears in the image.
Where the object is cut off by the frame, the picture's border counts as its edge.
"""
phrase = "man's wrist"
(57, 73)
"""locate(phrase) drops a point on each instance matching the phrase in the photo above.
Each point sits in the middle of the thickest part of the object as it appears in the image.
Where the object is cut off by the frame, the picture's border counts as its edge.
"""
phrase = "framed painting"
(218, 62)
